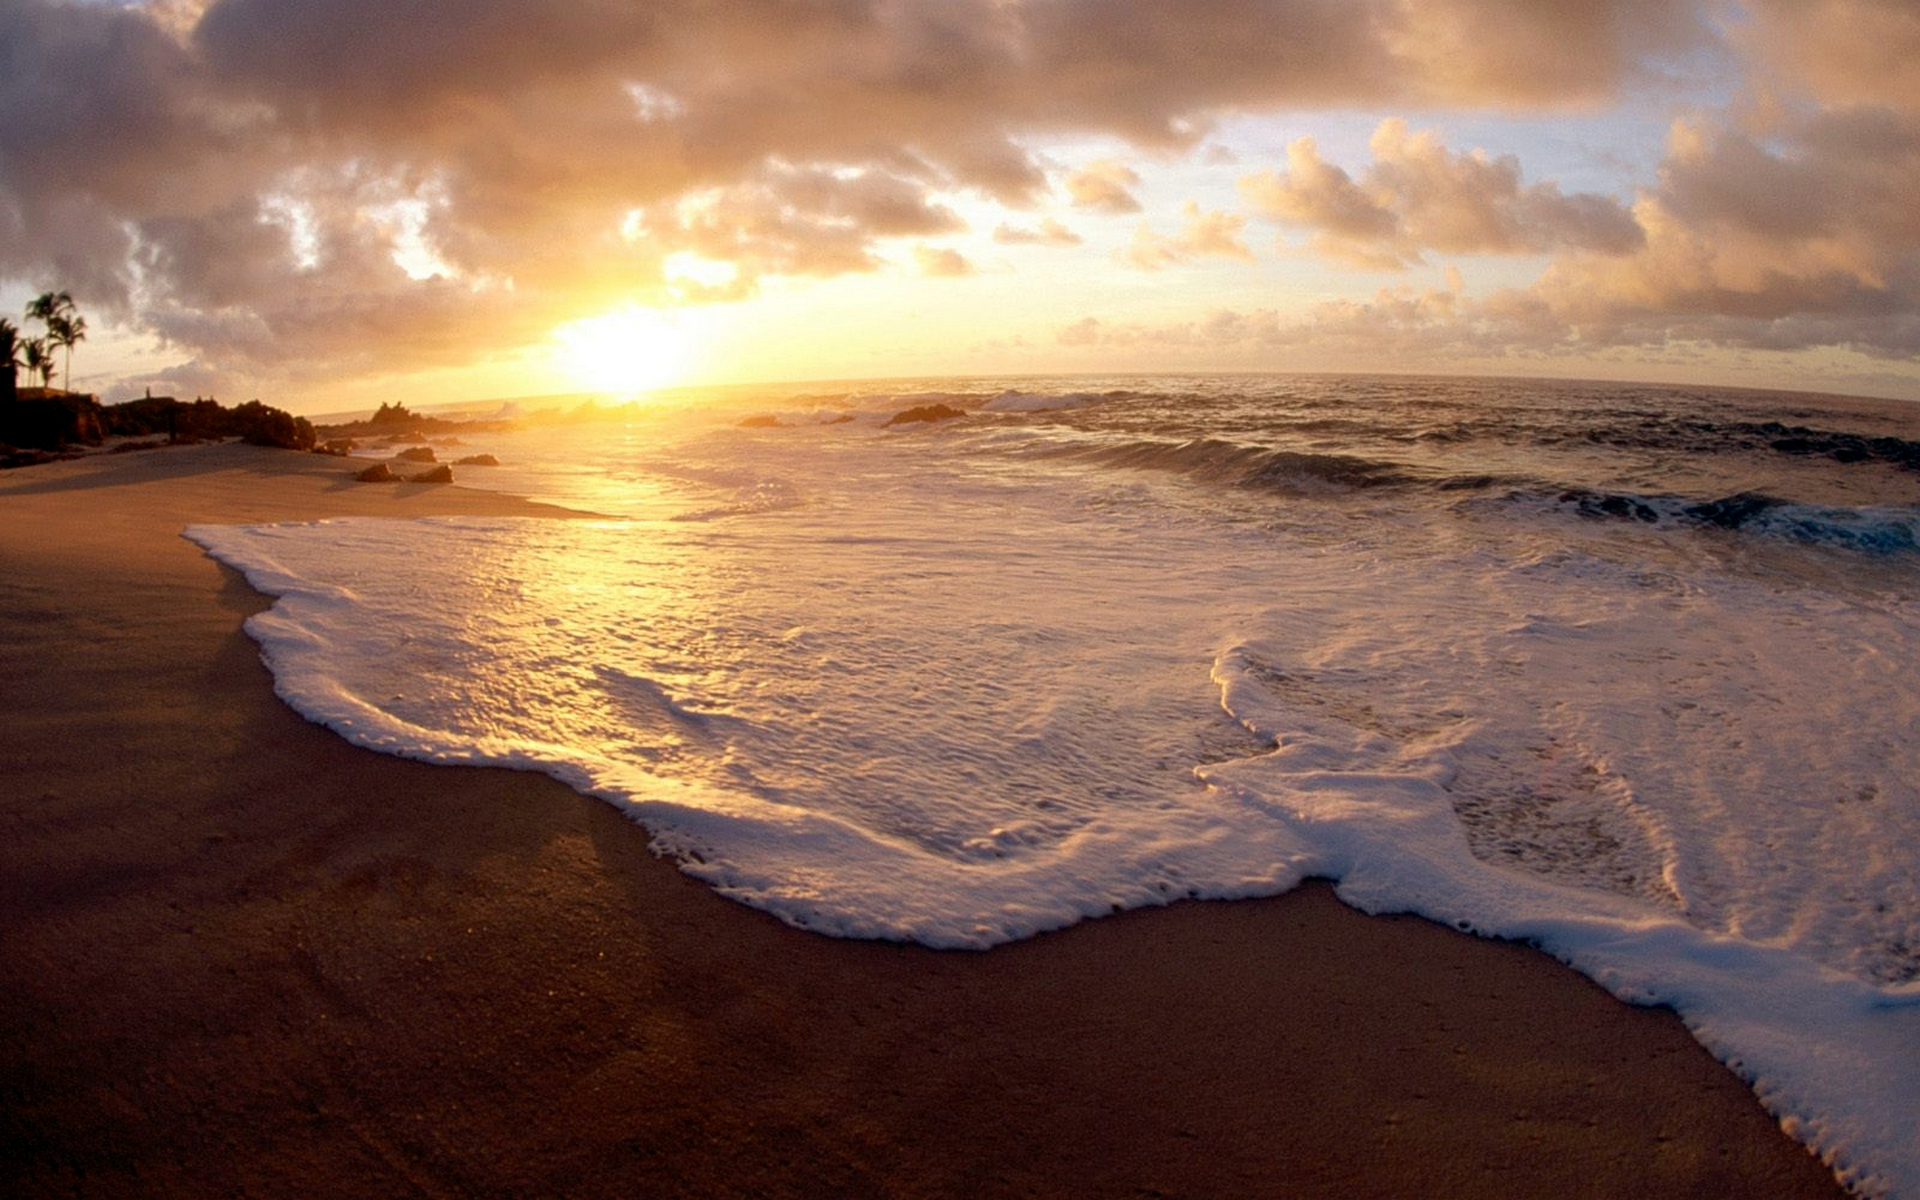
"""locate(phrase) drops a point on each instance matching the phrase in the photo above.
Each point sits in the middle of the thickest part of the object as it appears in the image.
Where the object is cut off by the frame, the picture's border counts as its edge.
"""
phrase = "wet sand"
(241, 957)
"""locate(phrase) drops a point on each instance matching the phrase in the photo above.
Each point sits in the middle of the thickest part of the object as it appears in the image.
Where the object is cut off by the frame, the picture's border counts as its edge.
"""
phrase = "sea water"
(1625, 671)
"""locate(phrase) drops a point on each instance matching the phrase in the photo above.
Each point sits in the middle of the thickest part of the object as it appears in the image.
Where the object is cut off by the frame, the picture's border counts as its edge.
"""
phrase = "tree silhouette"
(37, 357)
(10, 362)
(65, 325)
(64, 332)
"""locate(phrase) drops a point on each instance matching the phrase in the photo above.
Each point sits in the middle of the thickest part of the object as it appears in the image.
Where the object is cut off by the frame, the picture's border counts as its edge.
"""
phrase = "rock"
(440, 474)
(338, 447)
(377, 473)
(477, 460)
(263, 425)
(1732, 512)
(924, 414)
(43, 419)
(11, 456)
(417, 454)
(761, 421)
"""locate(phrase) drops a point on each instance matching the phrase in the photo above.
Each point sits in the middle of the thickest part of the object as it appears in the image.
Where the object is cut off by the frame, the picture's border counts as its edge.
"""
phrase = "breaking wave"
(1878, 529)
(1211, 460)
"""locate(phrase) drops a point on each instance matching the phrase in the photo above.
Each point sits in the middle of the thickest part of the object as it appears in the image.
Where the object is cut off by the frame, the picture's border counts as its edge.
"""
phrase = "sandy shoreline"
(242, 957)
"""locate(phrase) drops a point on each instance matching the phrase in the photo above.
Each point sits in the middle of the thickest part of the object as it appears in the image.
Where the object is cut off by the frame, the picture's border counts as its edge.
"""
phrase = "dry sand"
(241, 957)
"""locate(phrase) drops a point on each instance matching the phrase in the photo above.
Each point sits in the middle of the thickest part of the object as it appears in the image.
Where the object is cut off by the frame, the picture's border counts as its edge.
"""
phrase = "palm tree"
(37, 357)
(50, 304)
(10, 348)
(64, 331)
(65, 325)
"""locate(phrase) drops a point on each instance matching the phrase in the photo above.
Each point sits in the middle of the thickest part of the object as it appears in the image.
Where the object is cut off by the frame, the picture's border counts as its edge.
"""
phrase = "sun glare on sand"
(627, 351)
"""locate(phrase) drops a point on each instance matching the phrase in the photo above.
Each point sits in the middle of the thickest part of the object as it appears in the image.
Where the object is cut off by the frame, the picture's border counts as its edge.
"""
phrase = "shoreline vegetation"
(248, 958)
(45, 425)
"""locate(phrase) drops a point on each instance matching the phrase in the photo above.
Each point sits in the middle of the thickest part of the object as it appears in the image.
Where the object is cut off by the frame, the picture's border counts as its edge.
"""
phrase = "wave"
(872, 407)
(787, 418)
(1875, 529)
(771, 497)
(1841, 447)
(1696, 436)
(1012, 401)
(1211, 460)
(1880, 529)
(1662, 432)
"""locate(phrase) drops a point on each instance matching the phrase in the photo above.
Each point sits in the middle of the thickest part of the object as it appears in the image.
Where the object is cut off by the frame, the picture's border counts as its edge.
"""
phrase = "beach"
(243, 957)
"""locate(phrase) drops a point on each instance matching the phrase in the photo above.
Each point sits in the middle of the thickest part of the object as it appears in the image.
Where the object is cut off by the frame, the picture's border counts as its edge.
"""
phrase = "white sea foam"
(885, 689)
(1636, 775)
(804, 741)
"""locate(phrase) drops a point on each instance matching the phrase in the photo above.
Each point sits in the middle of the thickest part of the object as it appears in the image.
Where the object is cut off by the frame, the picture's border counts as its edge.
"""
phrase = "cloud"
(1418, 196)
(1842, 52)
(1084, 332)
(942, 262)
(1808, 239)
(1399, 325)
(1353, 223)
(239, 176)
(1049, 233)
(1811, 241)
(1104, 186)
(1556, 53)
(1850, 173)
(1202, 234)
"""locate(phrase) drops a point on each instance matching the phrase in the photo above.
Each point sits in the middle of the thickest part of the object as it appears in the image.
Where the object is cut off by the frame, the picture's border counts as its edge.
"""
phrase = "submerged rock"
(762, 421)
(477, 460)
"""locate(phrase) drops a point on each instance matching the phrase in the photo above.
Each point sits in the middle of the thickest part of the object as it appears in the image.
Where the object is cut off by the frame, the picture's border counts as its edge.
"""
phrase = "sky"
(325, 204)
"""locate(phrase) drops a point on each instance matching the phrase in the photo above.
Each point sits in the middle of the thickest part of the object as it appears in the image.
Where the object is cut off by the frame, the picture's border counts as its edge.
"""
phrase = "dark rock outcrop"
(263, 425)
(417, 454)
(377, 473)
(206, 419)
(477, 460)
(924, 414)
(44, 419)
(440, 474)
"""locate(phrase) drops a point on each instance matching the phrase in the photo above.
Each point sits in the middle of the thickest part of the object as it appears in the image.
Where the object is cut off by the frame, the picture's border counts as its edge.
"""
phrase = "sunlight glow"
(627, 351)
(684, 265)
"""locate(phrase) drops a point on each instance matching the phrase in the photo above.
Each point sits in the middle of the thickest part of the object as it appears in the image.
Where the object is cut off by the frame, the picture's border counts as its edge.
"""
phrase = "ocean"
(1625, 671)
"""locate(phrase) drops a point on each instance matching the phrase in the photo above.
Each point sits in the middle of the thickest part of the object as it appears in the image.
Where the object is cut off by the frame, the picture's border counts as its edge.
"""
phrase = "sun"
(627, 351)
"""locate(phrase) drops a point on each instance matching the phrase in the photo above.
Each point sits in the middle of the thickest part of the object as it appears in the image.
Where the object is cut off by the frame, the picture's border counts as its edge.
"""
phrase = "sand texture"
(239, 957)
